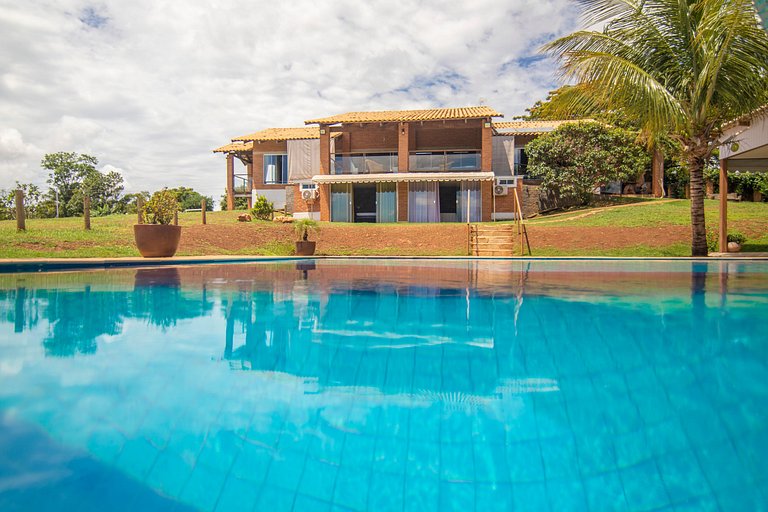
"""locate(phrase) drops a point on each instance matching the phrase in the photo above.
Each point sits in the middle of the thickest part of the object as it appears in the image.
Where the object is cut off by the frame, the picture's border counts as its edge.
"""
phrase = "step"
(496, 253)
(497, 244)
(494, 239)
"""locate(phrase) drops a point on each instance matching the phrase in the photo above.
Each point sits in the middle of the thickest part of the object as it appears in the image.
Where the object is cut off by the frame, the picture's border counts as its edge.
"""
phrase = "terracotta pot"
(734, 247)
(305, 248)
(157, 240)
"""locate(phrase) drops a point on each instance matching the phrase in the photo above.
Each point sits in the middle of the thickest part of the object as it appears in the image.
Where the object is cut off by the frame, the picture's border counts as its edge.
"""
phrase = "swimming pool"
(386, 385)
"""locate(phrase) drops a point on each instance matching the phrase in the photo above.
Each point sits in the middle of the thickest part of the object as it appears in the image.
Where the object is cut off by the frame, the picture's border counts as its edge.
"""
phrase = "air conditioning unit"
(309, 191)
(502, 186)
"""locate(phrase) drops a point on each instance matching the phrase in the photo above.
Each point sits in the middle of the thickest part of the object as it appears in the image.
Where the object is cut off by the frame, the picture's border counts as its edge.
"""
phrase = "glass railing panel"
(463, 161)
(445, 161)
(242, 184)
(374, 163)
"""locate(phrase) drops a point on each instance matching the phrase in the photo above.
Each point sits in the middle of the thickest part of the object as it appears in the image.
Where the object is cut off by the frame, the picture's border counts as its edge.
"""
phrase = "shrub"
(161, 207)
(712, 245)
(576, 158)
(737, 237)
(304, 226)
(262, 208)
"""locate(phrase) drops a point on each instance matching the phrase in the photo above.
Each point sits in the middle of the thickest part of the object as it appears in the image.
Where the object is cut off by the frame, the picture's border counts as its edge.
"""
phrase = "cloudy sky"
(150, 87)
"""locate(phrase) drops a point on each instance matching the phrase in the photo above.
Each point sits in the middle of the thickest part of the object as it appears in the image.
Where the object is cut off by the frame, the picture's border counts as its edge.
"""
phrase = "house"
(433, 165)
(744, 148)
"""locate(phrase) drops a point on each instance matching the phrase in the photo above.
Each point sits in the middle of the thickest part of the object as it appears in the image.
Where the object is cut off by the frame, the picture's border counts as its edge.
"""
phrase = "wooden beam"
(723, 228)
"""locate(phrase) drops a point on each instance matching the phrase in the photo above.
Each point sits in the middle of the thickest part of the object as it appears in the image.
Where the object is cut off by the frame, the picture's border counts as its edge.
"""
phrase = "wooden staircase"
(490, 240)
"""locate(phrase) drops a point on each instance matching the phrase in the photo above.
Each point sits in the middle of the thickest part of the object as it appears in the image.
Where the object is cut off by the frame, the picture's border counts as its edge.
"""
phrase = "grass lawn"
(648, 228)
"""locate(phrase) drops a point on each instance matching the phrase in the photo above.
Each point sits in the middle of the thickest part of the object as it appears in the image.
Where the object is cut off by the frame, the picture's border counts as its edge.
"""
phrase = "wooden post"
(139, 207)
(230, 182)
(176, 218)
(723, 227)
(87, 212)
(202, 209)
(21, 224)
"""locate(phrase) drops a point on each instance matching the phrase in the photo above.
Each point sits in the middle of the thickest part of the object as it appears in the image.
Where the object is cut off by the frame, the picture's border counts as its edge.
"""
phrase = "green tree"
(190, 199)
(32, 200)
(683, 68)
(241, 203)
(576, 158)
(66, 174)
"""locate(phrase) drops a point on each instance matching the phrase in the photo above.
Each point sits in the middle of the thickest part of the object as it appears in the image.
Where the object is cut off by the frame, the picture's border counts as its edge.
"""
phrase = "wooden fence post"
(139, 206)
(87, 212)
(202, 209)
(21, 224)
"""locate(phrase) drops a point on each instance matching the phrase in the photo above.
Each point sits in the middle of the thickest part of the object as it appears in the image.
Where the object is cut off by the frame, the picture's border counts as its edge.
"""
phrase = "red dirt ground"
(419, 238)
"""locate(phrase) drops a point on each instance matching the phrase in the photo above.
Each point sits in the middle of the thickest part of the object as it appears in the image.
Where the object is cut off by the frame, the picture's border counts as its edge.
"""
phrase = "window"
(275, 169)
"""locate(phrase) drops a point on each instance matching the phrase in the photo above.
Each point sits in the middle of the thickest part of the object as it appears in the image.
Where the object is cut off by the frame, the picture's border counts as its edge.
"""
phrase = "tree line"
(71, 178)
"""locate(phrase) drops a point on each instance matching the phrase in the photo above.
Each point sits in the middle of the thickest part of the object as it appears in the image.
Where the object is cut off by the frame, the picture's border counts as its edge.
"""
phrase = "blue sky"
(149, 87)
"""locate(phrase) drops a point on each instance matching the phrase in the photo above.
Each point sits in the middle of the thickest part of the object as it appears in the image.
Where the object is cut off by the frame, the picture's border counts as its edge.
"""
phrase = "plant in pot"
(735, 240)
(305, 247)
(158, 238)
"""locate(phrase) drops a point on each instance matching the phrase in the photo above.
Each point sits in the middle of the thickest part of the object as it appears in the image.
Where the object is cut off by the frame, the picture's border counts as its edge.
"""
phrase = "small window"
(275, 169)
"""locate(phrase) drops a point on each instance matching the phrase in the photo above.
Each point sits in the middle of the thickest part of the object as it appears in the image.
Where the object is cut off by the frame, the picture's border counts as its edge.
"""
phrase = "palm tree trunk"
(698, 225)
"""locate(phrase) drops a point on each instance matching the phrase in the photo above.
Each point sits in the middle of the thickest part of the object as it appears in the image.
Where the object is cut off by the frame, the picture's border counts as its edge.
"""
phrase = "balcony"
(242, 185)
(364, 163)
(444, 161)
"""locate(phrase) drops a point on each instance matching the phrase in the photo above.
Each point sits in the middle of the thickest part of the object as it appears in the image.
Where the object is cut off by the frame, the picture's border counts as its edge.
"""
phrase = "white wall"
(276, 197)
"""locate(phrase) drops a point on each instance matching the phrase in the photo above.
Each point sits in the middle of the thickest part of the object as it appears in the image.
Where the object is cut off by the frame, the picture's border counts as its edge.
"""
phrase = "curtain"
(270, 172)
(423, 202)
(303, 159)
(469, 191)
(503, 151)
(386, 202)
(341, 203)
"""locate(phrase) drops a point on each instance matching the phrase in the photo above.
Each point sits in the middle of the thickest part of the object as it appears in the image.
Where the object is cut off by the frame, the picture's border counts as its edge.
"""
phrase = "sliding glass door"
(469, 199)
(423, 202)
(341, 203)
(386, 202)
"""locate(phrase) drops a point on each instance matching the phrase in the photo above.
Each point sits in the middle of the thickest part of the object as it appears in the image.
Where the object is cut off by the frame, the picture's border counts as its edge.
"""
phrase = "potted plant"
(734, 241)
(158, 238)
(305, 247)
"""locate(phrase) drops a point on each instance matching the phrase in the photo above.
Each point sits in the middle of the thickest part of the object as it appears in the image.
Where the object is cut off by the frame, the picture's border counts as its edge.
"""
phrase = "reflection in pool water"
(388, 385)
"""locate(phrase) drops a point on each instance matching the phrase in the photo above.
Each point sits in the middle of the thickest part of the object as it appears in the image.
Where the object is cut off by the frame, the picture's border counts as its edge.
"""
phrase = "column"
(723, 234)
(403, 146)
(325, 149)
(230, 181)
(486, 148)
(249, 171)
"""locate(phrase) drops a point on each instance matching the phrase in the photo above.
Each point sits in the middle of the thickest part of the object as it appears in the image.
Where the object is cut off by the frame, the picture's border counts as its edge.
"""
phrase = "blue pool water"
(386, 385)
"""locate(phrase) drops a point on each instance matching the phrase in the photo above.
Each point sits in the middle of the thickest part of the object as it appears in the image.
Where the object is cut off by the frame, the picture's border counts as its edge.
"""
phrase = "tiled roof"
(235, 148)
(276, 134)
(384, 116)
(532, 127)
(746, 118)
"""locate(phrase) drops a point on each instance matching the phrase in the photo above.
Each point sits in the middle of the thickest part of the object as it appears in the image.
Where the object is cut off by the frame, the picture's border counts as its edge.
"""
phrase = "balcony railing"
(444, 161)
(364, 163)
(242, 185)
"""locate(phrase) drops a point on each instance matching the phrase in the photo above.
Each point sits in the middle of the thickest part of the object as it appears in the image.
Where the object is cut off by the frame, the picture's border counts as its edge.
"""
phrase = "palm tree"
(683, 68)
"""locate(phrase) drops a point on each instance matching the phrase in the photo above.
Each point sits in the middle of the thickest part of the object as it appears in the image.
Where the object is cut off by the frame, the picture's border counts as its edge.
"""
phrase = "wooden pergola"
(746, 150)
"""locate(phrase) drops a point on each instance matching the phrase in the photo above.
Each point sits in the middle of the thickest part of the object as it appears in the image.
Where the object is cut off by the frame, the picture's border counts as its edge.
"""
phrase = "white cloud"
(151, 87)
